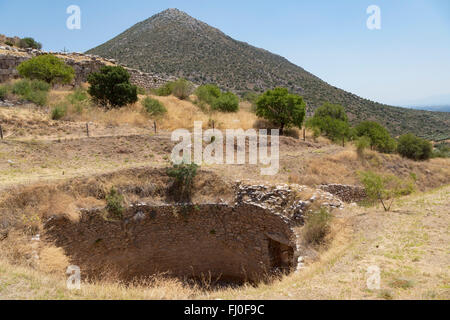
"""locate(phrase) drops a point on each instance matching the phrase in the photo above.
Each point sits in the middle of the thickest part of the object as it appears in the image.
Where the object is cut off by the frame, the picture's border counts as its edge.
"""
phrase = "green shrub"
(35, 91)
(141, 91)
(361, 145)
(227, 102)
(184, 175)
(39, 85)
(9, 43)
(79, 95)
(380, 139)
(154, 107)
(77, 101)
(182, 89)
(415, 148)
(21, 87)
(47, 68)
(111, 87)
(3, 92)
(385, 188)
(165, 90)
(334, 111)
(251, 97)
(441, 150)
(39, 98)
(331, 121)
(208, 93)
(58, 112)
(334, 129)
(29, 43)
(317, 226)
(115, 204)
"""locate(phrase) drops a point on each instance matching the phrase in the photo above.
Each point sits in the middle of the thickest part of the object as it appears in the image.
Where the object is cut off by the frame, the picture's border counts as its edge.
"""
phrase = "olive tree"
(283, 109)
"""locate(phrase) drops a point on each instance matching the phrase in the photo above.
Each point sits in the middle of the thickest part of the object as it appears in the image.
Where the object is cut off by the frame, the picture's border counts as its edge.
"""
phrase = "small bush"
(35, 91)
(164, 91)
(58, 112)
(227, 102)
(361, 145)
(48, 68)
(79, 95)
(21, 88)
(115, 204)
(184, 175)
(111, 87)
(3, 92)
(208, 93)
(379, 136)
(415, 148)
(154, 107)
(9, 43)
(141, 91)
(39, 85)
(76, 102)
(317, 226)
(331, 121)
(38, 97)
(441, 150)
(385, 188)
(182, 89)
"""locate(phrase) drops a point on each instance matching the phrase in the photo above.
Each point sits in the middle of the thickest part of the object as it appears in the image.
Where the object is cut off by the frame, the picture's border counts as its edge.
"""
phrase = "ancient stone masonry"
(8, 64)
(83, 64)
(245, 240)
(148, 80)
(345, 192)
(286, 199)
(229, 243)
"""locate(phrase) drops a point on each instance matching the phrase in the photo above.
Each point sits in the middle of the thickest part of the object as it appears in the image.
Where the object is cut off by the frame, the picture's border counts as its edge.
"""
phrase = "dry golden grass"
(53, 260)
(415, 233)
(408, 245)
(13, 53)
(181, 114)
(341, 165)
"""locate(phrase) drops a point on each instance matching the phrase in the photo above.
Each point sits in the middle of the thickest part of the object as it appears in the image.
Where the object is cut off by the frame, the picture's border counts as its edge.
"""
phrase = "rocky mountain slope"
(174, 43)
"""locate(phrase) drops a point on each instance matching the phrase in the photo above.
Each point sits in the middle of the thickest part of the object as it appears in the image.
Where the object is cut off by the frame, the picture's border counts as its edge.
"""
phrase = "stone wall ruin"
(227, 243)
(83, 64)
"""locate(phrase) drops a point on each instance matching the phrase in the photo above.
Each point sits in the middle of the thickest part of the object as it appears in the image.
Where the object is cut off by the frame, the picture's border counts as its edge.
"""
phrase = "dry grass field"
(52, 166)
(410, 245)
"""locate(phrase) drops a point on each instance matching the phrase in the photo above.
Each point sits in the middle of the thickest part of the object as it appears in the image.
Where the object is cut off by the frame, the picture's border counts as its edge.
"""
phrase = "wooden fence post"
(1, 132)
(154, 126)
(87, 129)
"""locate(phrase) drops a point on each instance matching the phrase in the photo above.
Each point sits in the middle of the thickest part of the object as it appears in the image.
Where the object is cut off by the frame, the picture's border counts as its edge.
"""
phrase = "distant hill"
(433, 108)
(174, 43)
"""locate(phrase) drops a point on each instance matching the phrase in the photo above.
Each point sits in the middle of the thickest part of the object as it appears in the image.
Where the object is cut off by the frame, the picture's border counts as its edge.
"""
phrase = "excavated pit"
(225, 243)
(233, 233)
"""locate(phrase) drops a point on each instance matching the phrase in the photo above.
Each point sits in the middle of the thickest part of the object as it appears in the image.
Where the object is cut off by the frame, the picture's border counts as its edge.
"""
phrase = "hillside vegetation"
(174, 43)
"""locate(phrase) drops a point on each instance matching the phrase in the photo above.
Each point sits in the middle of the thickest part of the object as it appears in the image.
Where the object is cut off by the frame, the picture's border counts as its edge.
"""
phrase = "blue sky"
(405, 63)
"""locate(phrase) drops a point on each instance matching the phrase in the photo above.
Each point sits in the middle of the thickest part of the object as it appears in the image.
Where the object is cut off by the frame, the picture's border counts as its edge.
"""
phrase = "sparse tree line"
(111, 88)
